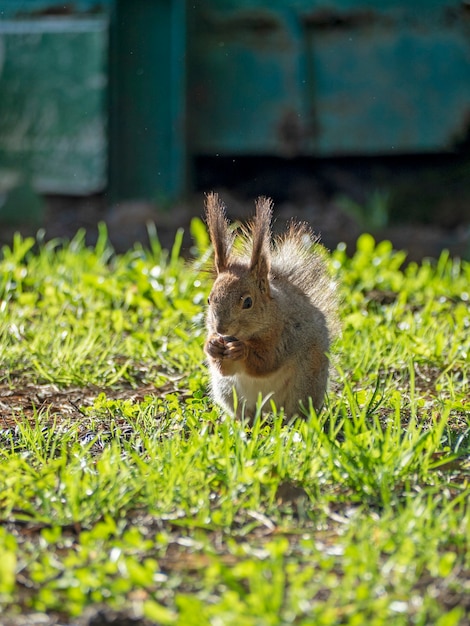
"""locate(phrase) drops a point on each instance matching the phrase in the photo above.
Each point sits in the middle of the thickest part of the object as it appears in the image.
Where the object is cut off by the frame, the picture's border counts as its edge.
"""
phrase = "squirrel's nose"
(222, 327)
(219, 325)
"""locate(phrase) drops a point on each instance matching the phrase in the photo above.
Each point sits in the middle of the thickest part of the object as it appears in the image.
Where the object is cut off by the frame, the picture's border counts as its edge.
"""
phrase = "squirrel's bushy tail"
(298, 258)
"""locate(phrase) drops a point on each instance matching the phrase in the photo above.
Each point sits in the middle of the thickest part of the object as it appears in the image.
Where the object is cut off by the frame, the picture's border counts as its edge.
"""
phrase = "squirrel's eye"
(247, 303)
(208, 300)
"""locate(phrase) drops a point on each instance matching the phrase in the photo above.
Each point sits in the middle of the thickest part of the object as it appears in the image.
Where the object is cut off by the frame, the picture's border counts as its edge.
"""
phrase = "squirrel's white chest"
(249, 388)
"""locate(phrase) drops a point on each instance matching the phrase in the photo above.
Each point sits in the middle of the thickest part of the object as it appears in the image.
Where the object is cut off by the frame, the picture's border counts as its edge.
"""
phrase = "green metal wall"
(121, 94)
(53, 97)
(148, 142)
(93, 96)
(328, 78)
(53, 102)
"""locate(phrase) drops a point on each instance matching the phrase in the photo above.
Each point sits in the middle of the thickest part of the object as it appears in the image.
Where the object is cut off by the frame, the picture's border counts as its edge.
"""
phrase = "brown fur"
(271, 315)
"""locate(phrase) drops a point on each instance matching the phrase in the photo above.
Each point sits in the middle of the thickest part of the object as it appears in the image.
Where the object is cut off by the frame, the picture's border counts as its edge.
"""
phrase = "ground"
(382, 471)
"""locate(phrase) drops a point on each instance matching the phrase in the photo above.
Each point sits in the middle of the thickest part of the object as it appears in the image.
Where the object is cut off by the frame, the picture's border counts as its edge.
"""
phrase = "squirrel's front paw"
(221, 348)
(235, 350)
(215, 347)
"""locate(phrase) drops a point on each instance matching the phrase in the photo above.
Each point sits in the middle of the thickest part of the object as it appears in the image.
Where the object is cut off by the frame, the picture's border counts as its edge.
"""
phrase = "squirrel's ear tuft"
(218, 231)
(261, 235)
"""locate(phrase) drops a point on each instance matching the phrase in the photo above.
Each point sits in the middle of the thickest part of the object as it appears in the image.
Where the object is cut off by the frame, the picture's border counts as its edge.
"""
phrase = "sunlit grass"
(142, 495)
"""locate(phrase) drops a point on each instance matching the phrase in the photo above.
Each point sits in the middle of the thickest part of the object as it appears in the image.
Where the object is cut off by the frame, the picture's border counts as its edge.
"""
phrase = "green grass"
(122, 485)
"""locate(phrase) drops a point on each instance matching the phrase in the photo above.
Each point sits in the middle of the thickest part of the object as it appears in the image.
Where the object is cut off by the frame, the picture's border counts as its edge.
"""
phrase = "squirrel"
(271, 314)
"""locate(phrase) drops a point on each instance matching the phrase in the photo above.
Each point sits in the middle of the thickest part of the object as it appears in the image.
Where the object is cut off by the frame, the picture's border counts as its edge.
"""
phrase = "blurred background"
(352, 114)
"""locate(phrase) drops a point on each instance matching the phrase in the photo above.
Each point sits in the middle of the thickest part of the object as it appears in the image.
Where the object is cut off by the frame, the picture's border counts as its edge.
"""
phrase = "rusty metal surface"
(53, 81)
(316, 78)
(54, 91)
